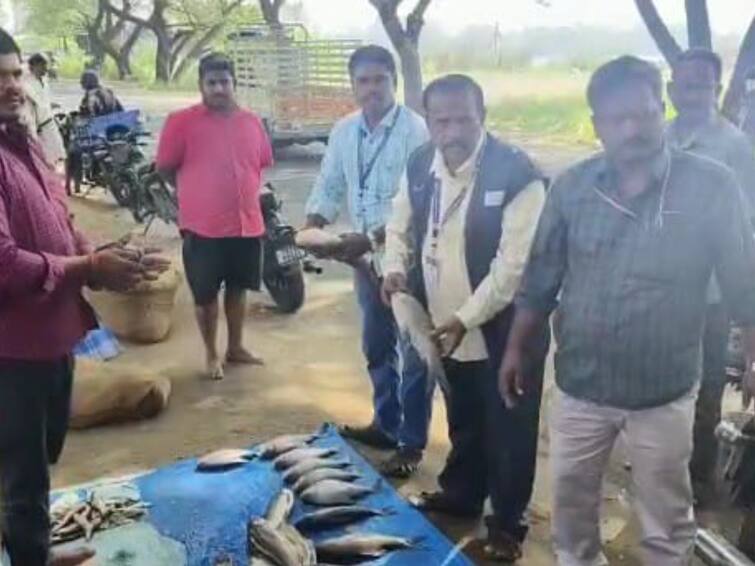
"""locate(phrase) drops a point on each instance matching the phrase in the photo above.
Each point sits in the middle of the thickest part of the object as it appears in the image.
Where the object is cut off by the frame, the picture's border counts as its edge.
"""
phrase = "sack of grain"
(110, 393)
(143, 314)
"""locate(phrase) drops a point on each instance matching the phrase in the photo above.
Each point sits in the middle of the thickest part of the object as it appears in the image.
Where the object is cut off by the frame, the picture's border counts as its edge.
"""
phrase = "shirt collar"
(606, 174)
(467, 169)
(687, 140)
(384, 123)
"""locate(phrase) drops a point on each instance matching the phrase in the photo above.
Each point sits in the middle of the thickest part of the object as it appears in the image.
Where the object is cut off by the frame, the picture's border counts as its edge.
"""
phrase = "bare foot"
(215, 369)
(243, 356)
(73, 557)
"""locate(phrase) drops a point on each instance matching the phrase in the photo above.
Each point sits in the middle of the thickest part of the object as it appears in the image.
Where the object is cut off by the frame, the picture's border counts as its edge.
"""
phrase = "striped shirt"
(632, 276)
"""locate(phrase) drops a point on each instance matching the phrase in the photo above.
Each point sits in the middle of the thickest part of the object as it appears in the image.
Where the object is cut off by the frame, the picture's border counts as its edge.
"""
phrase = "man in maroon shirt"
(44, 263)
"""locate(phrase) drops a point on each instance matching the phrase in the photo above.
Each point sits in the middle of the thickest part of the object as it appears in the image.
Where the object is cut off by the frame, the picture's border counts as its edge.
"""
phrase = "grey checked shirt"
(632, 277)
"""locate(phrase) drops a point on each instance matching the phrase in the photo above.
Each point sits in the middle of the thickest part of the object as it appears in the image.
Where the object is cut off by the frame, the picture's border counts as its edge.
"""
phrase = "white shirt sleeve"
(498, 288)
(397, 232)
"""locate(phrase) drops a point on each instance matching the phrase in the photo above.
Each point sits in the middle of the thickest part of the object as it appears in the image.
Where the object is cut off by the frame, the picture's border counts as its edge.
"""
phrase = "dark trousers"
(708, 409)
(35, 399)
(493, 448)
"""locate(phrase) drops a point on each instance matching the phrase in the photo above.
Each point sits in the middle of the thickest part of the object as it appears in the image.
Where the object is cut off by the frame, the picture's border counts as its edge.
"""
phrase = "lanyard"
(364, 172)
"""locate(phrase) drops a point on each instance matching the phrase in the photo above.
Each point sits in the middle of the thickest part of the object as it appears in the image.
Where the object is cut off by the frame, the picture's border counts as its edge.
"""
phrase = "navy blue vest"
(504, 171)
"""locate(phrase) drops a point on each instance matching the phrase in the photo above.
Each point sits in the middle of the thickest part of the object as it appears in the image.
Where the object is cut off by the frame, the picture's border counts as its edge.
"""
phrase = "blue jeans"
(402, 403)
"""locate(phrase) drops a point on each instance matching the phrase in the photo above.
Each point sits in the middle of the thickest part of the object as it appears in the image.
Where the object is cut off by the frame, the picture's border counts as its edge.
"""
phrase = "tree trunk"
(162, 57)
(411, 71)
(745, 61)
(666, 43)
(199, 46)
(271, 11)
(698, 24)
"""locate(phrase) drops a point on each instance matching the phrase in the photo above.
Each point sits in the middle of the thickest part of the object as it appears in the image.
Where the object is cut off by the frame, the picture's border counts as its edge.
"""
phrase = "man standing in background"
(699, 128)
(214, 153)
(364, 162)
(40, 119)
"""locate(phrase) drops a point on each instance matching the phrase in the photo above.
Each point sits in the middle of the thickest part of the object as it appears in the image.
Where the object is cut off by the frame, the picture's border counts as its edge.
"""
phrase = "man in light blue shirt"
(366, 158)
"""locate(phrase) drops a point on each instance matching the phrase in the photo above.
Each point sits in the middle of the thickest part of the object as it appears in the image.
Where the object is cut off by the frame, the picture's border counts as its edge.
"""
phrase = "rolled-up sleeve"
(397, 236)
(329, 190)
(547, 261)
(733, 251)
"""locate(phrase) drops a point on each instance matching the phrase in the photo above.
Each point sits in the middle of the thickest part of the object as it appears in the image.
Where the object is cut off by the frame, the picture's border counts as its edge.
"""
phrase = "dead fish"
(223, 459)
(271, 544)
(350, 549)
(415, 325)
(317, 239)
(289, 459)
(295, 472)
(321, 474)
(305, 548)
(280, 508)
(341, 515)
(282, 444)
(334, 492)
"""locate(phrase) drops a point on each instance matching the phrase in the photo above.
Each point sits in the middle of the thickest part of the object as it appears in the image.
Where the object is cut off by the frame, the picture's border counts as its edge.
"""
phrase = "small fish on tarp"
(335, 516)
(280, 508)
(356, 548)
(415, 325)
(290, 459)
(293, 474)
(281, 547)
(282, 444)
(224, 459)
(334, 492)
(321, 474)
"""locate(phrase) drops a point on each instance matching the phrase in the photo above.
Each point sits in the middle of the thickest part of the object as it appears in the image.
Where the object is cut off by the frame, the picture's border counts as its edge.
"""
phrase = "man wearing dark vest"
(458, 239)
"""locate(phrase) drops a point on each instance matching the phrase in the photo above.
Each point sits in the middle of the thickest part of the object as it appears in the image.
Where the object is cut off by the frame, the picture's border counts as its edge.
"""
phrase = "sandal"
(402, 465)
(502, 547)
(370, 435)
(442, 502)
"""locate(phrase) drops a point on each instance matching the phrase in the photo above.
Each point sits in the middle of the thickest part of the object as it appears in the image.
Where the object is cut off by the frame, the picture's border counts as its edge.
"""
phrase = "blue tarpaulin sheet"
(208, 513)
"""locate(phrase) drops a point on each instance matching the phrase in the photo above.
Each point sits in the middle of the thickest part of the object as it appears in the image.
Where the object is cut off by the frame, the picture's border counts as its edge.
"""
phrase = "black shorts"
(212, 262)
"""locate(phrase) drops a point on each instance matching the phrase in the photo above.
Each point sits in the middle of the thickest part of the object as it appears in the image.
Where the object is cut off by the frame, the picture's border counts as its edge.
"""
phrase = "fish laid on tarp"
(340, 515)
(282, 546)
(290, 459)
(334, 492)
(415, 325)
(282, 444)
(293, 474)
(224, 459)
(280, 508)
(352, 549)
(321, 474)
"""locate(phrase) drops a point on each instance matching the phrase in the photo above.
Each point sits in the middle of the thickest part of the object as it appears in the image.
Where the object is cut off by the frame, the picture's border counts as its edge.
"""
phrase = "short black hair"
(373, 54)
(698, 54)
(619, 73)
(37, 59)
(216, 61)
(89, 79)
(455, 83)
(8, 45)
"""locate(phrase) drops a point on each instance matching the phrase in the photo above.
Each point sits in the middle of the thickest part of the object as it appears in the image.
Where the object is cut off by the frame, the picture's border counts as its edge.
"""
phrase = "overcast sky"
(727, 16)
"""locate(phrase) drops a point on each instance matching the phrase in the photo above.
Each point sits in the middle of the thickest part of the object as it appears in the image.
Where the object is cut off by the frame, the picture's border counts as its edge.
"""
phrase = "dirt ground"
(314, 370)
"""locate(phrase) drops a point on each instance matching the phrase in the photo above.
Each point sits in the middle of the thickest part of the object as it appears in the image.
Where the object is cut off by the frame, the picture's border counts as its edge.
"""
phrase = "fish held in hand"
(224, 459)
(415, 325)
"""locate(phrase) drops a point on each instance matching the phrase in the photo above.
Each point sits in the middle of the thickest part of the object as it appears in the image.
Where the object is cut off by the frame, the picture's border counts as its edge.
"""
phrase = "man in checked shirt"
(626, 246)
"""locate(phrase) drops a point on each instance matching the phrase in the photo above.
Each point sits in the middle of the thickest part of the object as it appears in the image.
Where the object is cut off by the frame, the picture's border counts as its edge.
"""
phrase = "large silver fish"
(283, 546)
(334, 492)
(282, 444)
(289, 459)
(340, 515)
(360, 547)
(280, 508)
(415, 325)
(295, 472)
(224, 459)
(321, 474)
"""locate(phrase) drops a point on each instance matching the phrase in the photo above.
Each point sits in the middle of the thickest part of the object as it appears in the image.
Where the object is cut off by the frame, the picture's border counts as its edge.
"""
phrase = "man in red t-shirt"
(214, 153)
